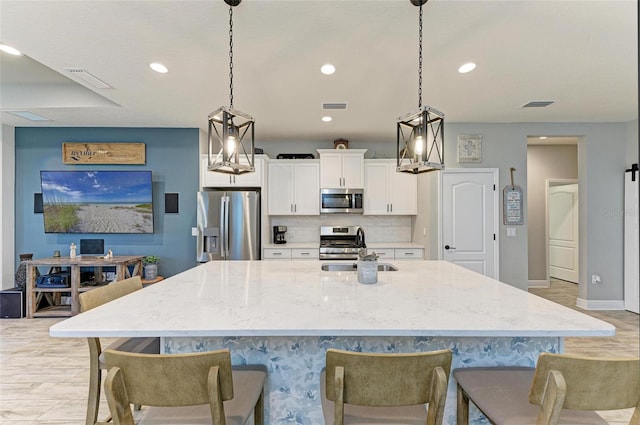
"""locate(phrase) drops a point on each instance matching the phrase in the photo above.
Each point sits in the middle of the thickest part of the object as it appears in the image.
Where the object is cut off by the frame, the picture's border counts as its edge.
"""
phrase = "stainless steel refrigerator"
(228, 225)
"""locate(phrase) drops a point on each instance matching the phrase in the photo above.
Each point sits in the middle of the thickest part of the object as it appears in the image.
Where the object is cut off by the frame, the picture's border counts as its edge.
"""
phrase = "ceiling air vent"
(538, 104)
(88, 78)
(334, 106)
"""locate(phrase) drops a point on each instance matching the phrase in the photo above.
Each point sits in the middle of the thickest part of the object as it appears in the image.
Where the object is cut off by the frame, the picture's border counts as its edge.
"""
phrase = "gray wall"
(632, 142)
(544, 162)
(601, 161)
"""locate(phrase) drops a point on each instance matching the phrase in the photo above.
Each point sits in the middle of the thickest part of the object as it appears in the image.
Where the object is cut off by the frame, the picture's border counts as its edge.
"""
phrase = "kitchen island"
(286, 314)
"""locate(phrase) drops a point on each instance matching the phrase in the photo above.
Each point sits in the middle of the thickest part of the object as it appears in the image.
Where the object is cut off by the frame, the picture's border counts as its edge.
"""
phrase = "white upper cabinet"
(388, 192)
(294, 187)
(342, 169)
(215, 179)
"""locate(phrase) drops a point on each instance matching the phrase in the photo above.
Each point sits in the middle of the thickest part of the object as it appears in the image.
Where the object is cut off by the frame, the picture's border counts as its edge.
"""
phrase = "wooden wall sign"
(103, 153)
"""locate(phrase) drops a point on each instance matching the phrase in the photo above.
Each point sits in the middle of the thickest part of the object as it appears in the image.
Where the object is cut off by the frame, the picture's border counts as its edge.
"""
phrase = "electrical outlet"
(595, 279)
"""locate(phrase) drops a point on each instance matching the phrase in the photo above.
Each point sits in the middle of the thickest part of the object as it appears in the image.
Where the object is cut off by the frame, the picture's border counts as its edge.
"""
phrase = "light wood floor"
(44, 380)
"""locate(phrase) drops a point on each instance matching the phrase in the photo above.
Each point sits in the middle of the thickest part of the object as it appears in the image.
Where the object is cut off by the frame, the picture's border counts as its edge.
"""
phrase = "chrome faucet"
(360, 238)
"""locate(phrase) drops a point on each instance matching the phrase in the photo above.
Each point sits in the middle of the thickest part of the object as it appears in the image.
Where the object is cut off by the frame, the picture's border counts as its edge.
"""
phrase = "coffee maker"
(278, 234)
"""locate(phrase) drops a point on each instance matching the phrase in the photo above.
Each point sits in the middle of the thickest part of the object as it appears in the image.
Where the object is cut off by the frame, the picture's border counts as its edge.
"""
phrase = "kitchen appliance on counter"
(228, 225)
(341, 201)
(278, 234)
(341, 242)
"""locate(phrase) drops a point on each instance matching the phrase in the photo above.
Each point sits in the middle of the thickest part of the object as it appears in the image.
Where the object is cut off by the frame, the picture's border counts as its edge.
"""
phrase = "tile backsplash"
(378, 228)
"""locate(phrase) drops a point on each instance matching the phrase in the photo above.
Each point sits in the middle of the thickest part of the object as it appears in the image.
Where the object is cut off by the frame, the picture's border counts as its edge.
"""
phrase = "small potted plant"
(150, 263)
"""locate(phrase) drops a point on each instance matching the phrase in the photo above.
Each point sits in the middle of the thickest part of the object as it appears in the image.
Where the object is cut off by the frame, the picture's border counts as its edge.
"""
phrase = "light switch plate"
(511, 231)
(194, 231)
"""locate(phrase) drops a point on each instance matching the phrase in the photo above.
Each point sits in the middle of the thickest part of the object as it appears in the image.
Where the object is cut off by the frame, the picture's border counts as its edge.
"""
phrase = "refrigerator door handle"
(226, 227)
(223, 228)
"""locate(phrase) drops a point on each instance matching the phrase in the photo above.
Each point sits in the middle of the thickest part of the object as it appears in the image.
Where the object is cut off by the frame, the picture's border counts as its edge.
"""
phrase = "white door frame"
(496, 208)
(548, 184)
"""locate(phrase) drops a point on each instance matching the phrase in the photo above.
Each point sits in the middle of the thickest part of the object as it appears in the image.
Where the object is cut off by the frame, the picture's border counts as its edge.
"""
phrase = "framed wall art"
(470, 148)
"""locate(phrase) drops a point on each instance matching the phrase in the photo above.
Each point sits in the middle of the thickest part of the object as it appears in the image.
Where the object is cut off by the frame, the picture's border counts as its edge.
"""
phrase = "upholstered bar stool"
(562, 389)
(367, 388)
(95, 298)
(183, 389)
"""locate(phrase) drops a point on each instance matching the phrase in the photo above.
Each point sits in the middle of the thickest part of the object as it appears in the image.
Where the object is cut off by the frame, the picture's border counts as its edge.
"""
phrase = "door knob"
(449, 247)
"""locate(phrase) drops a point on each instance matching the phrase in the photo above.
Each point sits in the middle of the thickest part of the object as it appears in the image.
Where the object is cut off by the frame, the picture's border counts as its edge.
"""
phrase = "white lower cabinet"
(409, 253)
(304, 254)
(290, 253)
(294, 188)
(276, 254)
(387, 192)
(383, 254)
(386, 254)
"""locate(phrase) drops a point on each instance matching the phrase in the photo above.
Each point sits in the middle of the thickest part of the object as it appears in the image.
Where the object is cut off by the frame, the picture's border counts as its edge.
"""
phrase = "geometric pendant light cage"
(231, 133)
(420, 134)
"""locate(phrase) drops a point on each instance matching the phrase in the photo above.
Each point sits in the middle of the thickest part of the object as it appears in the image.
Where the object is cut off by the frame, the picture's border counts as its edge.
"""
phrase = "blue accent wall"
(172, 156)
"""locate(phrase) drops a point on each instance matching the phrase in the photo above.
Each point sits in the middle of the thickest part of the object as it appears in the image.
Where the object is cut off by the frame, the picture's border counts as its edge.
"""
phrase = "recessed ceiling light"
(158, 67)
(328, 69)
(10, 50)
(543, 137)
(326, 119)
(467, 67)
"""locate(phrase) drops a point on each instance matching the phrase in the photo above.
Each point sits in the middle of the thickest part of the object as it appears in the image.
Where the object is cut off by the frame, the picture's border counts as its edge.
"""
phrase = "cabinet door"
(409, 253)
(330, 170)
(250, 179)
(276, 254)
(403, 192)
(305, 254)
(375, 189)
(306, 189)
(280, 192)
(214, 179)
(353, 170)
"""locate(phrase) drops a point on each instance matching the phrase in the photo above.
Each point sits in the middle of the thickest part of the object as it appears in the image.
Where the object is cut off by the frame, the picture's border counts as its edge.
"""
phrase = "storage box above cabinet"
(387, 192)
(341, 169)
(294, 187)
(216, 179)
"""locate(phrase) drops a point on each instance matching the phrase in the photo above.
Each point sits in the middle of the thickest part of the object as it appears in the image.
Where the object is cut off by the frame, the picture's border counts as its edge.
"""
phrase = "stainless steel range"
(341, 242)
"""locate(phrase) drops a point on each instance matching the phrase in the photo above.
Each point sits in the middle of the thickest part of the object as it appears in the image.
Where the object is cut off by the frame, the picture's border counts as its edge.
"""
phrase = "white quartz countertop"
(274, 298)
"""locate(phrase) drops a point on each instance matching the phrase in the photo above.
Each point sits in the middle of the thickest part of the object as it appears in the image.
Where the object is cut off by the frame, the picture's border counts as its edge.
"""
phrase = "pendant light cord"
(230, 57)
(420, 59)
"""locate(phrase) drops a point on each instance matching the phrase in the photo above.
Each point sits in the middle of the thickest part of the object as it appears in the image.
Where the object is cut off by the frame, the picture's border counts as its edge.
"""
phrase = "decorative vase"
(150, 271)
(21, 273)
(368, 271)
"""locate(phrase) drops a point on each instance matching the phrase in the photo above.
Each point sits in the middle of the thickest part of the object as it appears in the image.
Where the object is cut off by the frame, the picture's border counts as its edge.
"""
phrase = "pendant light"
(230, 129)
(420, 134)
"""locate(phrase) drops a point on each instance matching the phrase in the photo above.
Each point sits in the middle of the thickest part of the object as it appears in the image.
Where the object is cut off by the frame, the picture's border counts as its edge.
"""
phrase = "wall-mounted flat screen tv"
(97, 201)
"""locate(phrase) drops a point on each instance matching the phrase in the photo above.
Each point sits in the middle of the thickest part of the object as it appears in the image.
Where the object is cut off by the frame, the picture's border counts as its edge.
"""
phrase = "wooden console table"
(34, 293)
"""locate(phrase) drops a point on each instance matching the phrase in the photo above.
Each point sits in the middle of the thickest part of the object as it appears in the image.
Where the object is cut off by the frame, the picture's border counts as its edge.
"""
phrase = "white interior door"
(469, 219)
(563, 232)
(631, 243)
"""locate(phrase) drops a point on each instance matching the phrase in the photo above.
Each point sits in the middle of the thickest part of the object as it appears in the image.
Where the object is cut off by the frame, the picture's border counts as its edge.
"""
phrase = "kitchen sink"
(345, 267)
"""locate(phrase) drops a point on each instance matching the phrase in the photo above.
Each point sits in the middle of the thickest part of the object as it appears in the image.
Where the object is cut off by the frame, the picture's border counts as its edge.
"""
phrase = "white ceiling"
(580, 54)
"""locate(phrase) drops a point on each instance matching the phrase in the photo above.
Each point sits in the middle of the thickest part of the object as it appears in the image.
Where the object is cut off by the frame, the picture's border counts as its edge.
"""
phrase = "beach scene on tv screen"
(97, 201)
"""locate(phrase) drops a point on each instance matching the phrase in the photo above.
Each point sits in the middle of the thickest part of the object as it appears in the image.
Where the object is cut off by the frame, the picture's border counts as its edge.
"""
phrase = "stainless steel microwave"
(341, 201)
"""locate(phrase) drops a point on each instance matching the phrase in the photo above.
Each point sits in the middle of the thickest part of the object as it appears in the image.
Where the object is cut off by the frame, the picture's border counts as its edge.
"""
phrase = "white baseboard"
(600, 304)
(539, 284)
